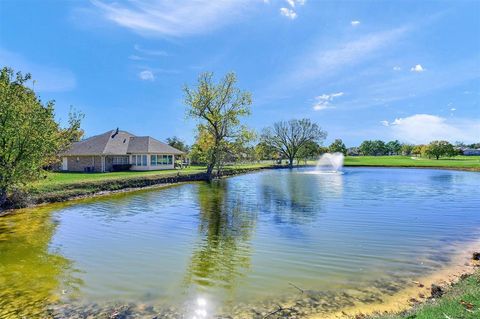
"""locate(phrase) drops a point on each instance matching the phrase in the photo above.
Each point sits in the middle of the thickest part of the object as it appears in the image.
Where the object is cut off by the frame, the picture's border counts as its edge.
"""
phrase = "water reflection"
(32, 274)
(297, 198)
(222, 252)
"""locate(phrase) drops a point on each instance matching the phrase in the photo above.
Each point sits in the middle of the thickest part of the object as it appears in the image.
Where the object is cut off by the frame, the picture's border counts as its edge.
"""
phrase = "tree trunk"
(290, 162)
(210, 168)
(3, 197)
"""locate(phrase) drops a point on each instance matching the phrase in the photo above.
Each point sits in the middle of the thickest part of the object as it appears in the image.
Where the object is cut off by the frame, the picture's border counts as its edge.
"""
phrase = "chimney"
(115, 134)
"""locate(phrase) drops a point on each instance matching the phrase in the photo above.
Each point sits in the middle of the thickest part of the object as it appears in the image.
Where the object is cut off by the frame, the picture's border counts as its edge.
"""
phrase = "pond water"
(242, 244)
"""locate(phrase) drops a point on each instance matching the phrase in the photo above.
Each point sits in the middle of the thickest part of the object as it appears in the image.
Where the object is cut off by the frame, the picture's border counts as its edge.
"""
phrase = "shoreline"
(419, 292)
(126, 185)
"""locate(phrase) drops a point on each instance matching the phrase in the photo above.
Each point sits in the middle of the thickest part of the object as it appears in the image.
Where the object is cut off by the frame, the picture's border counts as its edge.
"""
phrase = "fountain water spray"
(330, 162)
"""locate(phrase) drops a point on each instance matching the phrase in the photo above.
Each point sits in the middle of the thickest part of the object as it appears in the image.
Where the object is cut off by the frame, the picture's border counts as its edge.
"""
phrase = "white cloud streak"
(139, 49)
(172, 18)
(324, 101)
(355, 23)
(318, 63)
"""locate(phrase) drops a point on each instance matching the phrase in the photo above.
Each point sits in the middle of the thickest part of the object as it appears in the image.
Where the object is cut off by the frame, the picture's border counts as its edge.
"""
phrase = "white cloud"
(172, 18)
(146, 75)
(453, 109)
(417, 68)
(288, 13)
(291, 3)
(385, 123)
(424, 128)
(397, 68)
(323, 101)
(139, 49)
(47, 78)
(355, 23)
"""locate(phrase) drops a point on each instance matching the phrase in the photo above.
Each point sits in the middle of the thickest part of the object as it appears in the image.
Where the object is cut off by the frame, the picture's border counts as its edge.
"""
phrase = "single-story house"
(118, 150)
(471, 151)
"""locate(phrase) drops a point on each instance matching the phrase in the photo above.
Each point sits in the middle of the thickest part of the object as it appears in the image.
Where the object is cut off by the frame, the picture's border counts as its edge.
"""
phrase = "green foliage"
(338, 146)
(288, 138)
(263, 151)
(373, 148)
(393, 147)
(218, 107)
(30, 138)
(406, 149)
(178, 144)
(439, 148)
(308, 151)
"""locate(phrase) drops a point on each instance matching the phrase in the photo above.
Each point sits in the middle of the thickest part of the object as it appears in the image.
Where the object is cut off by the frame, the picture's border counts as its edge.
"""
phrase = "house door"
(64, 164)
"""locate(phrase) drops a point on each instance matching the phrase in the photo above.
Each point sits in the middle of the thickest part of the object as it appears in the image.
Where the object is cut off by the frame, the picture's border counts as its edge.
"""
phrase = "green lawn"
(462, 300)
(59, 178)
(464, 162)
(54, 181)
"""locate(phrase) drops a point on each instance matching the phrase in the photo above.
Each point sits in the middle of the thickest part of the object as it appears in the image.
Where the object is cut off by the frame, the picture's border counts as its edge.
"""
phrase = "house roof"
(119, 143)
(147, 144)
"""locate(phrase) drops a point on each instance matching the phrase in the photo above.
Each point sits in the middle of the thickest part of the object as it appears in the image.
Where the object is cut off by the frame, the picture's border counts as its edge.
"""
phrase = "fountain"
(330, 162)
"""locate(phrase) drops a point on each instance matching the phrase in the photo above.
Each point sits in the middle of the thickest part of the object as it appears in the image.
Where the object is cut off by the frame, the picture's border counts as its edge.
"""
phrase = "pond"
(238, 246)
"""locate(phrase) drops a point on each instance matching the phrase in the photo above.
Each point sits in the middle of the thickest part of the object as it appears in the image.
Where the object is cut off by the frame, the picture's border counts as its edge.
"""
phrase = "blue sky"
(361, 69)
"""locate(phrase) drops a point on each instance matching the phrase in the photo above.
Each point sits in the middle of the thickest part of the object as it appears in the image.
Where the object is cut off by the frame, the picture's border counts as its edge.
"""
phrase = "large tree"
(289, 137)
(439, 148)
(373, 148)
(393, 147)
(218, 107)
(30, 138)
(338, 146)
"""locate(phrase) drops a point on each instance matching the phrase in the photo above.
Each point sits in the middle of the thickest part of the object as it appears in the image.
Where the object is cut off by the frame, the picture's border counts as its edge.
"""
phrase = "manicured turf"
(55, 180)
(465, 162)
(462, 300)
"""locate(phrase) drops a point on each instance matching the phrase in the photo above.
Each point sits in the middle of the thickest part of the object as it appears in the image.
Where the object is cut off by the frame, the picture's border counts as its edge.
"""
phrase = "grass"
(462, 300)
(457, 162)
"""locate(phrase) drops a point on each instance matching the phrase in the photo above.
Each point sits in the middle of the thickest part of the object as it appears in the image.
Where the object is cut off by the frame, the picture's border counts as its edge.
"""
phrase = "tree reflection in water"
(32, 275)
(222, 254)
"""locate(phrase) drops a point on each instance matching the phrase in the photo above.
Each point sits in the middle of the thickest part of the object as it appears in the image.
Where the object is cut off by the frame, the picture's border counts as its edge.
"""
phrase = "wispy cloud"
(47, 78)
(317, 63)
(146, 75)
(324, 101)
(289, 13)
(397, 68)
(355, 23)
(424, 128)
(407, 85)
(150, 52)
(173, 18)
(417, 68)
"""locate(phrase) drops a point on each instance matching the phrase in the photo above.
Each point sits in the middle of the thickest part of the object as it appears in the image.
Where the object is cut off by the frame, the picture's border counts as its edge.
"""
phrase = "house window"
(158, 160)
(139, 160)
(120, 160)
(153, 160)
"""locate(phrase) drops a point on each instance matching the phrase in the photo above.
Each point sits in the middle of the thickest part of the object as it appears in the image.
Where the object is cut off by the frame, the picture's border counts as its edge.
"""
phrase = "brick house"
(118, 150)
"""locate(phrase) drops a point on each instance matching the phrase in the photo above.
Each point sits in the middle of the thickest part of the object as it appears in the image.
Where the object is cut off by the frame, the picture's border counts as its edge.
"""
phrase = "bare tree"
(288, 138)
